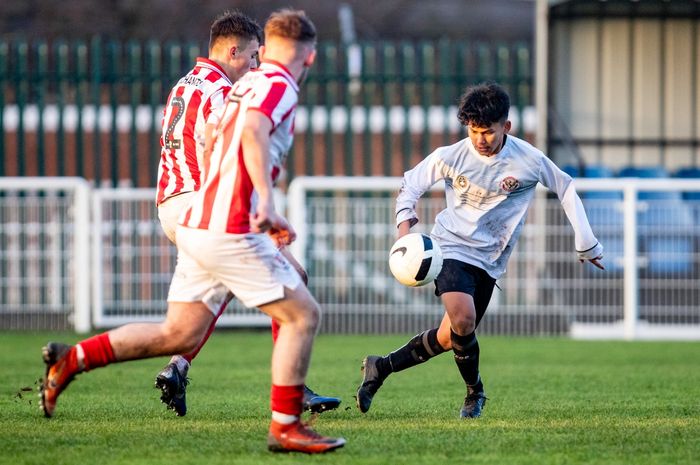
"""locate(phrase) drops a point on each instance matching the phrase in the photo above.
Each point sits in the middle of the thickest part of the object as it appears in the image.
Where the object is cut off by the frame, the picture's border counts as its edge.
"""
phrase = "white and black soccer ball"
(415, 260)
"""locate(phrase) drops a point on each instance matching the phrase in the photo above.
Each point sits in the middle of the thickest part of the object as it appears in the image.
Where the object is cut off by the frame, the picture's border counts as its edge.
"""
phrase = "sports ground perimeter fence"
(93, 109)
(76, 257)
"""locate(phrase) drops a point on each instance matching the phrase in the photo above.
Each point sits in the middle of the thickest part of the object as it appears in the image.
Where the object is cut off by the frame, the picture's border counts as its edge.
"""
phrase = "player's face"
(244, 59)
(488, 140)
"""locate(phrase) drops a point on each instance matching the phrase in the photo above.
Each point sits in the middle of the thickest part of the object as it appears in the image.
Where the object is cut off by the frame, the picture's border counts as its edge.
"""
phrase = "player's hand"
(267, 219)
(596, 262)
(281, 238)
(263, 217)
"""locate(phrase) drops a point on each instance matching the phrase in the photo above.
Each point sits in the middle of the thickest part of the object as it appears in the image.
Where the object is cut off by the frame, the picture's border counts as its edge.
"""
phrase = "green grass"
(552, 401)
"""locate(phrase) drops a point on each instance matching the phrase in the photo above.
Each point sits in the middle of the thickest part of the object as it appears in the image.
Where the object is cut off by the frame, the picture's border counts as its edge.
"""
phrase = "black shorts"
(457, 276)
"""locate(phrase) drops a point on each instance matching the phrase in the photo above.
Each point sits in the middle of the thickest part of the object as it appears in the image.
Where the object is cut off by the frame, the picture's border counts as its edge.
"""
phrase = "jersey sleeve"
(415, 183)
(275, 99)
(587, 246)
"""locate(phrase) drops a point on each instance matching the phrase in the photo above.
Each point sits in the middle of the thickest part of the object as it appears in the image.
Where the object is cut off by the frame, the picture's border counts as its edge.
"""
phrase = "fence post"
(82, 257)
(81, 90)
(4, 58)
(631, 283)
(96, 78)
(39, 85)
(135, 82)
(61, 68)
(21, 77)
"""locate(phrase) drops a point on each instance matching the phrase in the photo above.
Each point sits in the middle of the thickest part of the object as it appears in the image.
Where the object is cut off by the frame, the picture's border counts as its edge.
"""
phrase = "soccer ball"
(415, 260)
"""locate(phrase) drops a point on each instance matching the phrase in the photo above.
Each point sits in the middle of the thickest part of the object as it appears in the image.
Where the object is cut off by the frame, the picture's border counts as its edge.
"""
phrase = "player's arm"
(255, 142)
(587, 246)
(415, 183)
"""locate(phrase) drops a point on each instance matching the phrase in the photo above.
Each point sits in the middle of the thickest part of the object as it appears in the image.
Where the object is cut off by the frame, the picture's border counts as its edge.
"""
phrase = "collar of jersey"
(207, 63)
(280, 68)
(492, 159)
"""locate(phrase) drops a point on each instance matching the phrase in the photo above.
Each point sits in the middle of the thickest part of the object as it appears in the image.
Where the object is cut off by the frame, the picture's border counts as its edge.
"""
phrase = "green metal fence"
(93, 109)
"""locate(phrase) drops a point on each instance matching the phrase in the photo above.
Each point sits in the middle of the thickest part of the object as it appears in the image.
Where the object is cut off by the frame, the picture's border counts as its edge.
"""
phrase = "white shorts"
(169, 212)
(249, 265)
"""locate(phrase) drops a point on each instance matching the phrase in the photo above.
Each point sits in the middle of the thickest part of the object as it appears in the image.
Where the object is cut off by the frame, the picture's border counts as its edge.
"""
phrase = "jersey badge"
(509, 184)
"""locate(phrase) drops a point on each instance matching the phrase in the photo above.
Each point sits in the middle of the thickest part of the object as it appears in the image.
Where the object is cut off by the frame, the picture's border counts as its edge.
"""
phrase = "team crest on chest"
(509, 184)
(461, 181)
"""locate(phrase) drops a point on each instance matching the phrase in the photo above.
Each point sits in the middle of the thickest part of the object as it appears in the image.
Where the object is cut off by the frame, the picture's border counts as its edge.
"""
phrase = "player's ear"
(310, 58)
(507, 126)
(261, 53)
(233, 51)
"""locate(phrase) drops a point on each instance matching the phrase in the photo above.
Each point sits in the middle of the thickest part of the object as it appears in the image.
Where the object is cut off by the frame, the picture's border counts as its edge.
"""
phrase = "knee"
(464, 324)
(312, 317)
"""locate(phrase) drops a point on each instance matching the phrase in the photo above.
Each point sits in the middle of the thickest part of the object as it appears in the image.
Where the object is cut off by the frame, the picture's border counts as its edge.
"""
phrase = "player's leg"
(465, 348)
(313, 402)
(184, 326)
(172, 380)
(298, 316)
(419, 349)
(260, 276)
(465, 295)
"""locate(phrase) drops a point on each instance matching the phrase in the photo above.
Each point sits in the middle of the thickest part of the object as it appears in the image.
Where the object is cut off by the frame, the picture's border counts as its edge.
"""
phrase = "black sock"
(466, 352)
(419, 349)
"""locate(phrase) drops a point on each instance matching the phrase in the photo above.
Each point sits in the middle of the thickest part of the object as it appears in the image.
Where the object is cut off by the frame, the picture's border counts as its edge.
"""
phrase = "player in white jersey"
(234, 40)
(490, 179)
(223, 246)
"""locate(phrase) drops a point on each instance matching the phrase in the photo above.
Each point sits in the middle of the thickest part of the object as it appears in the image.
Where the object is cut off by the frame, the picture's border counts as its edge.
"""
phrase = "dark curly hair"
(483, 104)
(234, 24)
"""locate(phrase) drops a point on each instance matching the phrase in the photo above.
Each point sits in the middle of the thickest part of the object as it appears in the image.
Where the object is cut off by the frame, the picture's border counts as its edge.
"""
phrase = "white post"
(631, 283)
(97, 266)
(296, 209)
(81, 265)
(541, 71)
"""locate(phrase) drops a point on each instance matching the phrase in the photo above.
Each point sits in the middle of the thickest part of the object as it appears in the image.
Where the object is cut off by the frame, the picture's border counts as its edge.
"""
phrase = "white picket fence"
(72, 256)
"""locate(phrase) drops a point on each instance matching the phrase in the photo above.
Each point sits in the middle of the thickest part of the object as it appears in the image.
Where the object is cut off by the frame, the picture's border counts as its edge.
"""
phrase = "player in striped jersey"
(233, 49)
(490, 179)
(224, 245)
(229, 214)
(234, 39)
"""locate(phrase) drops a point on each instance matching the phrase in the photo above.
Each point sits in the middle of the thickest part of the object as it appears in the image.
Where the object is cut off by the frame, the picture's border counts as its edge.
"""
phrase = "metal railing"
(53, 258)
(93, 109)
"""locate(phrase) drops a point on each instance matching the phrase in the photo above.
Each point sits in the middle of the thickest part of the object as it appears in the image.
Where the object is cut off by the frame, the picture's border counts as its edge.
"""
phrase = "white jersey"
(227, 197)
(487, 200)
(189, 104)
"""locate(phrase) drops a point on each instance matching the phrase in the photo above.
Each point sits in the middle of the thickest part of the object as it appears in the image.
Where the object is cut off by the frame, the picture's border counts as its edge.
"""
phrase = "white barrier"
(651, 286)
(49, 272)
(44, 256)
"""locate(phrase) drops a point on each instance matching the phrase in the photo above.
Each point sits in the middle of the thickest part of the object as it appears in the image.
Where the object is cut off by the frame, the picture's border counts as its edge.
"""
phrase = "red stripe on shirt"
(213, 185)
(273, 98)
(239, 214)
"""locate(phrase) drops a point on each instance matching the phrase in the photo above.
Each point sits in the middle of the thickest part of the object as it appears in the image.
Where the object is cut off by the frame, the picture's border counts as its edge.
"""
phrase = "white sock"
(284, 418)
(80, 357)
(183, 366)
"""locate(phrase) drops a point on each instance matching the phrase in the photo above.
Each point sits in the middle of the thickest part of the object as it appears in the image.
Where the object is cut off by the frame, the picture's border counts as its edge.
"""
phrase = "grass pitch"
(552, 401)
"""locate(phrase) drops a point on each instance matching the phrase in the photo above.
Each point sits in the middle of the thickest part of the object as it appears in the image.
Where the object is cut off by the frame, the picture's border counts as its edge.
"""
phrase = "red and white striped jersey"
(189, 104)
(227, 198)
